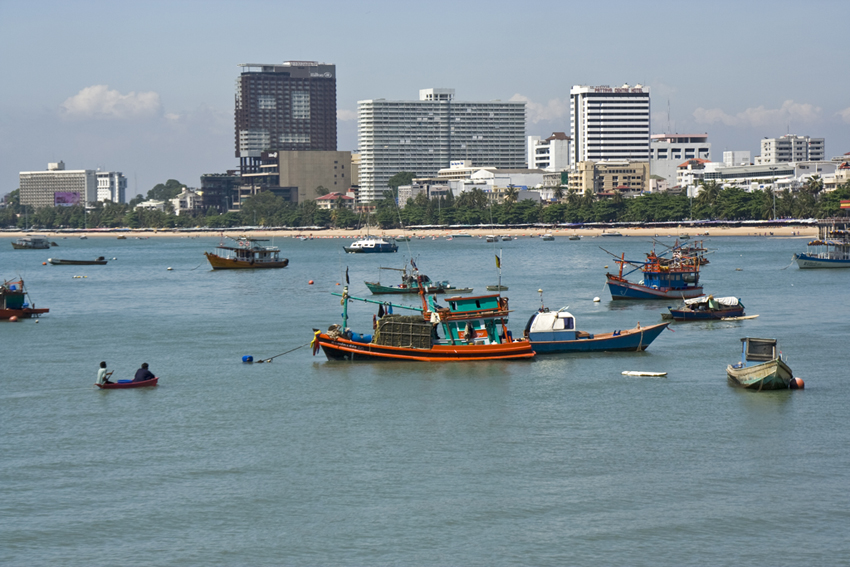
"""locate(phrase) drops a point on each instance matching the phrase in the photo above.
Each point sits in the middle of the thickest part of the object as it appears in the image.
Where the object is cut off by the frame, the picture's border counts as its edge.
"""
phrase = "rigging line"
(281, 354)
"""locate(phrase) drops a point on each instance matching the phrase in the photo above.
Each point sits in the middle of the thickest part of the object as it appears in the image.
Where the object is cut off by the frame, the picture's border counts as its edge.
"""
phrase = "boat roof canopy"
(551, 320)
(728, 301)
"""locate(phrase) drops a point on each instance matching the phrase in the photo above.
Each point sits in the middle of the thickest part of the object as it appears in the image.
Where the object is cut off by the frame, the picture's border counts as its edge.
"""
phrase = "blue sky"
(147, 88)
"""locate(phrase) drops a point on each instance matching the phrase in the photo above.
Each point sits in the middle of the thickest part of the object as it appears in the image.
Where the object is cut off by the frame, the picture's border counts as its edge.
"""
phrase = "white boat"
(370, 245)
(547, 237)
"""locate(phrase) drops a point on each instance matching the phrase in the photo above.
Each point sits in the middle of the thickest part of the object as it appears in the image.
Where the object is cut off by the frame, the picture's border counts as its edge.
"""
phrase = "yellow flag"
(498, 262)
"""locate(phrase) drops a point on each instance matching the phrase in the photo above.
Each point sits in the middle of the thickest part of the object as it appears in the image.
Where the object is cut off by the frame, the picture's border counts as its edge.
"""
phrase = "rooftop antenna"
(668, 116)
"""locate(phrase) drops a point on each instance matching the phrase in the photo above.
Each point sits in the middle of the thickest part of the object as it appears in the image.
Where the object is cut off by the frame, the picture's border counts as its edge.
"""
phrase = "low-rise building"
(551, 154)
(667, 151)
(791, 148)
(188, 201)
(333, 201)
(605, 177)
(432, 188)
(779, 176)
(151, 205)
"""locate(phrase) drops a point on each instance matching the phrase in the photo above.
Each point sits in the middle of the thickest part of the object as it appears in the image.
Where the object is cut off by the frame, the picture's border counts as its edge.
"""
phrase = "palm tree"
(559, 193)
(511, 194)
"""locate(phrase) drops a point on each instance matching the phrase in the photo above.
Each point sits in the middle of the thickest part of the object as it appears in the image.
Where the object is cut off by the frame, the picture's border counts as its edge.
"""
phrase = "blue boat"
(370, 245)
(551, 332)
(663, 278)
(830, 250)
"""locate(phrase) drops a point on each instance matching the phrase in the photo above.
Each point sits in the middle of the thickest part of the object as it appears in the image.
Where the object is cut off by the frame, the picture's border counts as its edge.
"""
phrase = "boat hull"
(58, 262)
(807, 261)
(688, 315)
(344, 349)
(17, 246)
(124, 385)
(219, 263)
(378, 289)
(26, 313)
(630, 290)
(637, 339)
(373, 250)
(771, 375)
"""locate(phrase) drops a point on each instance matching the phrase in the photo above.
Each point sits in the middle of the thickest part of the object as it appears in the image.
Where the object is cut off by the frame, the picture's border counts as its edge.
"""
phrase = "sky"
(147, 88)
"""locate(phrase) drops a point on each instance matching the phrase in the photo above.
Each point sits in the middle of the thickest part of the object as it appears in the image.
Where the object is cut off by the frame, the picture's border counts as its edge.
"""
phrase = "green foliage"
(165, 191)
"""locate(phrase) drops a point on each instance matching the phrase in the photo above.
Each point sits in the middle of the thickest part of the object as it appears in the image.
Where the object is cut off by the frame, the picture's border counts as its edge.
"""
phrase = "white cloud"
(555, 109)
(845, 115)
(346, 115)
(761, 117)
(99, 102)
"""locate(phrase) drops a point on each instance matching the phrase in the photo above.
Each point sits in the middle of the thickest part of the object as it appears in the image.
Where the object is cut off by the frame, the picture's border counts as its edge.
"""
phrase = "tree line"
(470, 208)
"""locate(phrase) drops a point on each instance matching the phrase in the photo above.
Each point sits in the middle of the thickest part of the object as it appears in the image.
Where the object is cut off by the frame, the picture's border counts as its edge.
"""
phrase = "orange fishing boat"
(246, 254)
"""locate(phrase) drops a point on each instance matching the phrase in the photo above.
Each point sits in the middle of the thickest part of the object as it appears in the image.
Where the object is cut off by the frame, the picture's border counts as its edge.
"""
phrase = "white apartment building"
(781, 175)
(187, 201)
(737, 157)
(422, 136)
(668, 151)
(57, 186)
(111, 186)
(609, 123)
(551, 154)
(791, 148)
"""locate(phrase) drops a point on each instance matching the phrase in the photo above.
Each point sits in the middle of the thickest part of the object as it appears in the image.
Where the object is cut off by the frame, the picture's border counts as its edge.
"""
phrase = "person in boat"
(103, 375)
(143, 374)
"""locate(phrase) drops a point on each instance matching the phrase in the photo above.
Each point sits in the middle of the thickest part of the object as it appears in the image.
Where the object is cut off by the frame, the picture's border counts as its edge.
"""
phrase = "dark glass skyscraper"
(290, 106)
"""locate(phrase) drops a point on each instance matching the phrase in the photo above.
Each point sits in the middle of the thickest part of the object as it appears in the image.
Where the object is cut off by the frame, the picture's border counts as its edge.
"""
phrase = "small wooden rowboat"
(128, 384)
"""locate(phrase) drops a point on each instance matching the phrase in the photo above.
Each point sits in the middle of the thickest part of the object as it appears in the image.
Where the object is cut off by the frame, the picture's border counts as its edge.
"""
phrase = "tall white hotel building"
(426, 135)
(610, 123)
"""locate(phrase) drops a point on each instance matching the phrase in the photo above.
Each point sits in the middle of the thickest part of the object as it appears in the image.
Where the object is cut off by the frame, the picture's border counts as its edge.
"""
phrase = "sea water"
(559, 460)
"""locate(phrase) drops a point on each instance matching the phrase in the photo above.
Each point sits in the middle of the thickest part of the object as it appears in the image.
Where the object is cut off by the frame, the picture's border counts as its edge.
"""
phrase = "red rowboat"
(128, 384)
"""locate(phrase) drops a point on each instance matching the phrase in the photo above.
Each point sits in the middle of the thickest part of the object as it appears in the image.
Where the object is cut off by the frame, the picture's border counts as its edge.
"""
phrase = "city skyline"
(148, 89)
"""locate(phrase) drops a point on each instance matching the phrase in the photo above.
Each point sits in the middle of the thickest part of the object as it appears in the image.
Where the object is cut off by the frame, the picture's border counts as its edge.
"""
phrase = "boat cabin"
(758, 350)
(480, 320)
(551, 326)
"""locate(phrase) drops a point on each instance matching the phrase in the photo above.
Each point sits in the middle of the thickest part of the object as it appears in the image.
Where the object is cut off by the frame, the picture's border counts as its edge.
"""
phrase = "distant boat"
(31, 243)
(771, 372)
(547, 237)
(684, 236)
(497, 288)
(706, 308)
(410, 284)
(830, 250)
(507, 238)
(247, 254)
(122, 237)
(13, 301)
(99, 261)
(402, 239)
(370, 245)
(610, 233)
(84, 237)
(492, 238)
(463, 235)
(555, 331)
(575, 237)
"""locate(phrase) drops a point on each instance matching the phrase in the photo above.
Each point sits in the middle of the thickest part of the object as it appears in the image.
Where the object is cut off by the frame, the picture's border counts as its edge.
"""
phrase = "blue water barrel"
(247, 358)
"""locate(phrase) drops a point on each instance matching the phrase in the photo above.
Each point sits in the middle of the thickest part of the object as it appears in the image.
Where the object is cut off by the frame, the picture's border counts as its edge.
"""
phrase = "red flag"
(845, 204)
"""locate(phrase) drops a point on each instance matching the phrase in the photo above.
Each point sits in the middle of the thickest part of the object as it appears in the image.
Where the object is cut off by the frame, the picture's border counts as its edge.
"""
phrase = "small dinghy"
(121, 384)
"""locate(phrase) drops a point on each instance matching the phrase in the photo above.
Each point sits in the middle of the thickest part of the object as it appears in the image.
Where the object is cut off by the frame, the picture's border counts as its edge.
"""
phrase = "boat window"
(477, 304)
(559, 324)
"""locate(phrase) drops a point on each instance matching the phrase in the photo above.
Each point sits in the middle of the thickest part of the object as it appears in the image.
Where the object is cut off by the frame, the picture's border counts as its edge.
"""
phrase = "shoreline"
(354, 234)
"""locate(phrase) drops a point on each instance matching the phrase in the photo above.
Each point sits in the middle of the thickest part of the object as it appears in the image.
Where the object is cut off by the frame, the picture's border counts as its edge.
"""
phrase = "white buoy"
(595, 300)
(169, 268)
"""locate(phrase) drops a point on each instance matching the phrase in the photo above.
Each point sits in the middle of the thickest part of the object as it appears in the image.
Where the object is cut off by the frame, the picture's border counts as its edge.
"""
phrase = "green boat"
(409, 284)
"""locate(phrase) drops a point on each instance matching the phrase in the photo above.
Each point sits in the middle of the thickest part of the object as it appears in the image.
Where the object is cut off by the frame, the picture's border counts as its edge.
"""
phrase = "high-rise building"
(423, 136)
(610, 123)
(791, 148)
(61, 187)
(287, 106)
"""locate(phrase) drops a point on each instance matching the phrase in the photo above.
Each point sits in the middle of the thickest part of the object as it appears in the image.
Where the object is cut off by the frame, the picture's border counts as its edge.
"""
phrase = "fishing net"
(403, 331)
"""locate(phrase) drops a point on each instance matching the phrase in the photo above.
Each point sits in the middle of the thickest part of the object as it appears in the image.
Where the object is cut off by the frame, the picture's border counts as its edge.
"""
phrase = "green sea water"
(556, 461)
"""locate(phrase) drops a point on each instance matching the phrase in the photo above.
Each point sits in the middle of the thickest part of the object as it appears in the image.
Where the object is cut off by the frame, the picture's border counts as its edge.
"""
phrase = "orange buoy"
(797, 383)
(44, 263)
(13, 319)
(310, 282)
(337, 283)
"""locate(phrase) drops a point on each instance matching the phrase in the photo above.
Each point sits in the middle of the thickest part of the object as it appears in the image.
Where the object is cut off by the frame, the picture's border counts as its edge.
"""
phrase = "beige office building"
(603, 178)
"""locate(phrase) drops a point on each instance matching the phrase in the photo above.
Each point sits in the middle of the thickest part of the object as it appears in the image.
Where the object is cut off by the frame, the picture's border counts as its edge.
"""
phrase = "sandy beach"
(785, 231)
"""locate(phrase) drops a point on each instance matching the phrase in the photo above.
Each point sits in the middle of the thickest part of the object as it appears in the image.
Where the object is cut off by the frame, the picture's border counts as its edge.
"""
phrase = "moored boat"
(371, 245)
(99, 261)
(551, 332)
(31, 243)
(705, 308)
(247, 254)
(472, 328)
(831, 249)
(410, 284)
(122, 384)
(770, 373)
(13, 301)
(547, 237)
(575, 237)
(676, 278)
